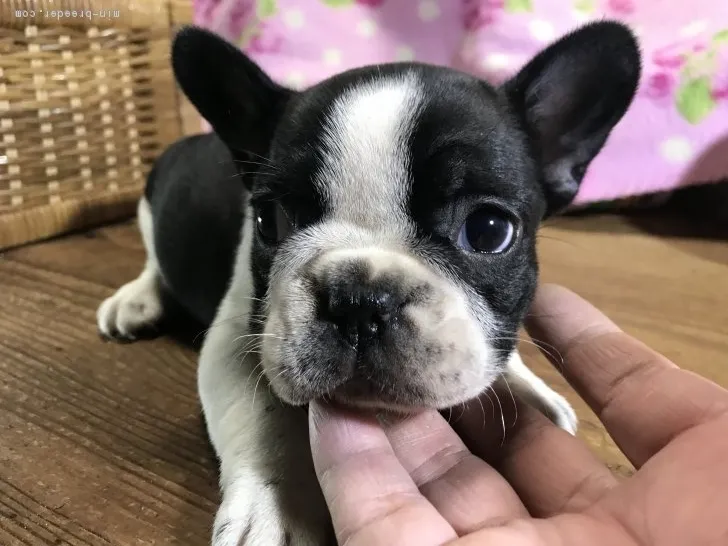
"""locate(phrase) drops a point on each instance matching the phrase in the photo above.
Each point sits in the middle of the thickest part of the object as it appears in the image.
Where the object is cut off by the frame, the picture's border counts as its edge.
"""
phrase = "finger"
(372, 499)
(468, 492)
(550, 470)
(564, 530)
(642, 398)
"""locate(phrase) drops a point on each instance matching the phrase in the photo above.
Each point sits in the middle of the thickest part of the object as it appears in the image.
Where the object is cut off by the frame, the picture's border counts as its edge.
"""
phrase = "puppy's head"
(395, 208)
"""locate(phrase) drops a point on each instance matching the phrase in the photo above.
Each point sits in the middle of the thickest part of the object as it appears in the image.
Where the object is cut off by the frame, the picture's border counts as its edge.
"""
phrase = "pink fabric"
(675, 134)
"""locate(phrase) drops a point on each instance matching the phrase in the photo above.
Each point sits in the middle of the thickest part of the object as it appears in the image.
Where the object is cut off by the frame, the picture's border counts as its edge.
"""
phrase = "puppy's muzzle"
(374, 327)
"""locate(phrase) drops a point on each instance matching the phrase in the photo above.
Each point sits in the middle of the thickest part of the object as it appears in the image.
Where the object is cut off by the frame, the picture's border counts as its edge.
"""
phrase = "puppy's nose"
(360, 313)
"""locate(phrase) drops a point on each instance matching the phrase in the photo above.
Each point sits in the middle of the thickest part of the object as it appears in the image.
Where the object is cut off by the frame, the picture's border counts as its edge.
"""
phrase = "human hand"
(414, 482)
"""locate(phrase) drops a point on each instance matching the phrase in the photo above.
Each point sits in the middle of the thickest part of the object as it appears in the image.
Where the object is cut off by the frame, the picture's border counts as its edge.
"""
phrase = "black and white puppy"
(371, 240)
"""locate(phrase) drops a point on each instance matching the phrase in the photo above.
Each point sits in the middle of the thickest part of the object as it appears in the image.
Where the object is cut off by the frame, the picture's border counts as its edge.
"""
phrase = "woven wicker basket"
(87, 101)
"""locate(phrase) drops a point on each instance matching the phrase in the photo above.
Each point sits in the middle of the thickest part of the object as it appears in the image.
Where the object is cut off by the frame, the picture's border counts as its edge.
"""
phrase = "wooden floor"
(103, 443)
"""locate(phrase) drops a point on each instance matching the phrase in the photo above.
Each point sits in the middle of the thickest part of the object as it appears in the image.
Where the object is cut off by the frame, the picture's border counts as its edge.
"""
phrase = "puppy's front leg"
(270, 495)
(532, 389)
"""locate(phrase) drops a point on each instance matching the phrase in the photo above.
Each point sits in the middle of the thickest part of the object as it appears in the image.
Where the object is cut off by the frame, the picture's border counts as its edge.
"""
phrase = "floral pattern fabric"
(675, 134)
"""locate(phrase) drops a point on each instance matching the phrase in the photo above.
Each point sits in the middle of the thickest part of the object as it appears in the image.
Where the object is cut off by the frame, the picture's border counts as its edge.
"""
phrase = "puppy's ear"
(570, 96)
(241, 103)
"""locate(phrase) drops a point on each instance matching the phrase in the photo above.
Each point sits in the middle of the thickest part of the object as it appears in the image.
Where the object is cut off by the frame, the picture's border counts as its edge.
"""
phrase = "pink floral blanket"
(675, 134)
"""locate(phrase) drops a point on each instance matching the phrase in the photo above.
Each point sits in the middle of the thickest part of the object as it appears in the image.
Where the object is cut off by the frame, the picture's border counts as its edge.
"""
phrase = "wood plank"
(101, 443)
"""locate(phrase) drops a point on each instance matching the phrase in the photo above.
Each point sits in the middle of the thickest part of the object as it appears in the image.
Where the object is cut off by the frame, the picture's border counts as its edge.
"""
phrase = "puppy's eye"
(488, 229)
(272, 223)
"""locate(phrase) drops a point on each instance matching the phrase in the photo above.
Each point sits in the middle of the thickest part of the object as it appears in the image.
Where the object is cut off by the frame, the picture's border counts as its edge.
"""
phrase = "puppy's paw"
(534, 391)
(255, 513)
(559, 410)
(135, 307)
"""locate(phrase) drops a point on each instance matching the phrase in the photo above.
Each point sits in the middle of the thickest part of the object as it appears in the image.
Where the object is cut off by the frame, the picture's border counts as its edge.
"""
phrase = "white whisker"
(513, 398)
(503, 419)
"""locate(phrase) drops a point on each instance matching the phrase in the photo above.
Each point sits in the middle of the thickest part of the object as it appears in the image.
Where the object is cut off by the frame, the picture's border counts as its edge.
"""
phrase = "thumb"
(371, 497)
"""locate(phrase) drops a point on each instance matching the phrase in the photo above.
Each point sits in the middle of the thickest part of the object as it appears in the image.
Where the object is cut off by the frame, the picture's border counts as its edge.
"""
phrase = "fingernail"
(323, 413)
(318, 414)
(326, 419)
(340, 430)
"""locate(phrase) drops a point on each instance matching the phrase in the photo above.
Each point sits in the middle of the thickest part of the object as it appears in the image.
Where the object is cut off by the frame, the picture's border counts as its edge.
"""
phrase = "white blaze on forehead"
(365, 176)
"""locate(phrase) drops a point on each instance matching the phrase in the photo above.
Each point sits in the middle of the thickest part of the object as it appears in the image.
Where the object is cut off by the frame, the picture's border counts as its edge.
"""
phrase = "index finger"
(643, 399)
(372, 499)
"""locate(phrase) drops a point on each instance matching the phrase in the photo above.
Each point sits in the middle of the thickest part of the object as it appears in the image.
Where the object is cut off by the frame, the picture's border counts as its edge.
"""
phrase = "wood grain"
(103, 444)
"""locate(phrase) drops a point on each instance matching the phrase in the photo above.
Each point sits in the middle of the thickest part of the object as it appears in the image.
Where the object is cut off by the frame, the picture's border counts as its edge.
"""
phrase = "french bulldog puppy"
(370, 240)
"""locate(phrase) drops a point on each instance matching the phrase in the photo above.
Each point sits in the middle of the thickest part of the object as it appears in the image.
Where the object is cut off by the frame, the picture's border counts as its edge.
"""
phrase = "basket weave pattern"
(87, 101)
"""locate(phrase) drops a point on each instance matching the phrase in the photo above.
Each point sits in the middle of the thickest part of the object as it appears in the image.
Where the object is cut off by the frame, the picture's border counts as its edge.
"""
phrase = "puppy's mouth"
(393, 391)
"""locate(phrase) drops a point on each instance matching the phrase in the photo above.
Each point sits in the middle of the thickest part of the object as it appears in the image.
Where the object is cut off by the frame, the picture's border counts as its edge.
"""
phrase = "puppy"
(371, 240)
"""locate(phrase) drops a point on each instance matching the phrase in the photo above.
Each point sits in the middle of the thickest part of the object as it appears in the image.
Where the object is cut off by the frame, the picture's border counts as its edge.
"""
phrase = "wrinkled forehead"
(366, 143)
